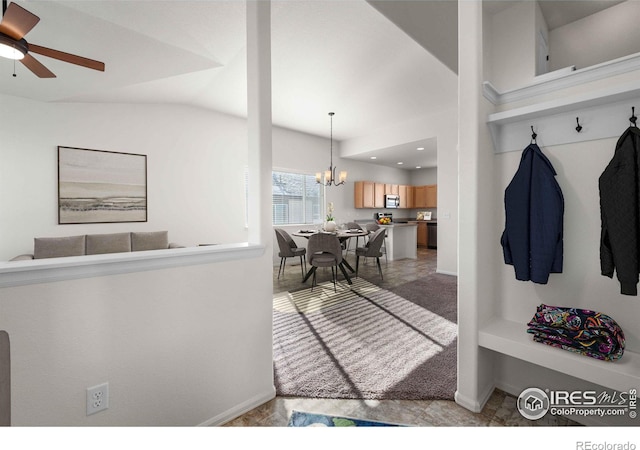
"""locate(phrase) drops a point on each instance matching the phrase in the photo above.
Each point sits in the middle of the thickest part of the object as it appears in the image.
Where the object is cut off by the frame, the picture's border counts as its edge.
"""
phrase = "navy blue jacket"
(534, 207)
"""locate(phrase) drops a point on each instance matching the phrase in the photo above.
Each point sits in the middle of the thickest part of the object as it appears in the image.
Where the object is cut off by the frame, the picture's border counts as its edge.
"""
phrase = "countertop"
(399, 221)
(394, 224)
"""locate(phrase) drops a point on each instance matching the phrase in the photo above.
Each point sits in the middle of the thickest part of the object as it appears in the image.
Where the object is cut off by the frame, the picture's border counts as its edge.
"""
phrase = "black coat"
(534, 208)
(619, 211)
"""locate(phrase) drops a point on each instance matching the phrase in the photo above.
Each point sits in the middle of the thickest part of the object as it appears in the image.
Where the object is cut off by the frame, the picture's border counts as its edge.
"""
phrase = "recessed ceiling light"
(420, 148)
(400, 162)
(418, 167)
(374, 157)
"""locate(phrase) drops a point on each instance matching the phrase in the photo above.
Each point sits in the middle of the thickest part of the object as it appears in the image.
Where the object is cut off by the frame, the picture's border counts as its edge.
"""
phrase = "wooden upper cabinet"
(431, 196)
(426, 196)
(363, 194)
(420, 197)
(406, 196)
(369, 194)
(378, 201)
(391, 189)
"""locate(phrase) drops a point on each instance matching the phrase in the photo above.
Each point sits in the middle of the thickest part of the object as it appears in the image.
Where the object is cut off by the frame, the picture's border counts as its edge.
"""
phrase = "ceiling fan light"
(11, 48)
(10, 51)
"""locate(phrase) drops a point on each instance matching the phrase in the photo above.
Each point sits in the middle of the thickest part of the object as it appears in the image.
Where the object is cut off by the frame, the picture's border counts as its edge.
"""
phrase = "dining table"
(342, 235)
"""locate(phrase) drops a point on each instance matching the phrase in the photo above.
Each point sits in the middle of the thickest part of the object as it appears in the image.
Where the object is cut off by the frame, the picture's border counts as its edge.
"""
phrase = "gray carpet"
(364, 342)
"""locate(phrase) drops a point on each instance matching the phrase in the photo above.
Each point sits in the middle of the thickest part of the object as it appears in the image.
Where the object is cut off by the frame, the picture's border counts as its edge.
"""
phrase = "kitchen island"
(401, 241)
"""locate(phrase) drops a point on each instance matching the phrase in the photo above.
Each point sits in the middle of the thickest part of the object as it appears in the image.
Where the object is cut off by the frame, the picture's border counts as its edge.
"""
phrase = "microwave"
(392, 201)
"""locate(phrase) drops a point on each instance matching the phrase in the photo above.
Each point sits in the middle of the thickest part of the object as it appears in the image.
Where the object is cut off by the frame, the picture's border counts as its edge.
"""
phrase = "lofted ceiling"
(562, 12)
(375, 63)
(342, 56)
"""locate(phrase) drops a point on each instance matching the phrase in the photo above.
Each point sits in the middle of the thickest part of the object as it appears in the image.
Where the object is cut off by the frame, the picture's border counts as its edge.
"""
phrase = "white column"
(475, 378)
(259, 121)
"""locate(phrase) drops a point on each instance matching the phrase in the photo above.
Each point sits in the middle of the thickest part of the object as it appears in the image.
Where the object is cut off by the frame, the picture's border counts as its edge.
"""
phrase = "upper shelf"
(602, 113)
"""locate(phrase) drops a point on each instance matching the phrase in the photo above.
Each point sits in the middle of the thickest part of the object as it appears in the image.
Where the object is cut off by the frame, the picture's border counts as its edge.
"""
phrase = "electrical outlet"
(97, 398)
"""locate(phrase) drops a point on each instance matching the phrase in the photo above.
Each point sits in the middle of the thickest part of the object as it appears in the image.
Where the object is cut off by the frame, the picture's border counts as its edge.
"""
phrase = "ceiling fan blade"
(67, 57)
(17, 21)
(36, 67)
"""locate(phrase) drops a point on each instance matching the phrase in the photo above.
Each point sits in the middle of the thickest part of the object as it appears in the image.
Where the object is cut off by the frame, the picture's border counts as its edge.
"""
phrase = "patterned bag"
(581, 331)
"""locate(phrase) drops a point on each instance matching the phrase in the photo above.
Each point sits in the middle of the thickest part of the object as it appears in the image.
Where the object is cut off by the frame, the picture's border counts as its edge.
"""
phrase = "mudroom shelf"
(511, 338)
(602, 114)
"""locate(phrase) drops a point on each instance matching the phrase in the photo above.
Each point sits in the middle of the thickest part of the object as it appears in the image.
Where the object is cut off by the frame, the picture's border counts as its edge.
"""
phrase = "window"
(297, 198)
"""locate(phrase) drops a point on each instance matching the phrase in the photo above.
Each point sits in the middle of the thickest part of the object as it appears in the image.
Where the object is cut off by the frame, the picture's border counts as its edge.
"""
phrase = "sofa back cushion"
(108, 243)
(58, 247)
(149, 240)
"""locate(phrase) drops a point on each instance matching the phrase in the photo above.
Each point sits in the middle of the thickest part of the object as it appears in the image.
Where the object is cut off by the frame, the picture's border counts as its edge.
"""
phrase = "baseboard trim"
(473, 405)
(240, 409)
(447, 272)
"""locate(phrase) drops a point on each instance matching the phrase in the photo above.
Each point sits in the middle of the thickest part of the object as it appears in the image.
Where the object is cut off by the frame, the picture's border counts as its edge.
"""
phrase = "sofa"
(96, 244)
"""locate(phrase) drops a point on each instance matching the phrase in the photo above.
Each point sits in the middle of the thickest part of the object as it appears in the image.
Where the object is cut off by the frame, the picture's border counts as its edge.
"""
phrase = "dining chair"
(324, 250)
(352, 226)
(372, 249)
(288, 249)
(371, 228)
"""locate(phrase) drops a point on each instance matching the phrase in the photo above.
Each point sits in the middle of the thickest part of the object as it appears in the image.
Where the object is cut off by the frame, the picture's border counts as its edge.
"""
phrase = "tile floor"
(500, 410)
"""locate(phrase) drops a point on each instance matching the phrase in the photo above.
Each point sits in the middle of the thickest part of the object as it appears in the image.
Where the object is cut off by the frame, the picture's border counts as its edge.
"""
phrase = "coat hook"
(633, 117)
(579, 127)
(533, 136)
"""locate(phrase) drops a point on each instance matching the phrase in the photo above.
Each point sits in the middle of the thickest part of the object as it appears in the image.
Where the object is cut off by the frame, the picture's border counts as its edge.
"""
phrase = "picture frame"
(99, 186)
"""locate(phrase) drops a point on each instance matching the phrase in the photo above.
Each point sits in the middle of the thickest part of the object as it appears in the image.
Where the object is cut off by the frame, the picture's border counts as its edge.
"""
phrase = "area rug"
(361, 342)
(305, 419)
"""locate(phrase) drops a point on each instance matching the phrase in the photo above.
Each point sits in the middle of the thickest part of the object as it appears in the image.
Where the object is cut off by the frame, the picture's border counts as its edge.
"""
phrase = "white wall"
(310, 154)
(513, 45)
(195, 168)
(178, 347)
(424, 177)
(541, 40)
(609, 34)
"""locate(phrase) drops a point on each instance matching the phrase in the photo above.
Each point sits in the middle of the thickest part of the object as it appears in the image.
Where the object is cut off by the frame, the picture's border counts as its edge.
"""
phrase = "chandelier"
(328, 177)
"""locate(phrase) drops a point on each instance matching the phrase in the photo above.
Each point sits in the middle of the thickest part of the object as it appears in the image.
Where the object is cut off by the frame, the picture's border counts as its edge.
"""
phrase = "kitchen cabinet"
(426, 196)
(420, 197)
(378, 200)
(427, 233)
(406, 196)
(370, 194)
(364, 194)
(423, 234)
(431, 196)
(391, 189)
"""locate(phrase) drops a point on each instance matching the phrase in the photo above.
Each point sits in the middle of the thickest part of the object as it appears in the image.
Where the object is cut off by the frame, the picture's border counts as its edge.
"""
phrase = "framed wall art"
(97, 186)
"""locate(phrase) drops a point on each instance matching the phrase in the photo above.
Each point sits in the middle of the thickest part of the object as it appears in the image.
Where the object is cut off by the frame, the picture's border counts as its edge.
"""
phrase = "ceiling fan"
(16, 23)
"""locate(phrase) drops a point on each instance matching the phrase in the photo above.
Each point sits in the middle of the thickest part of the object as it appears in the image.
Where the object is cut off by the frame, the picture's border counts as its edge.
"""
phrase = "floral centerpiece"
(330, 224)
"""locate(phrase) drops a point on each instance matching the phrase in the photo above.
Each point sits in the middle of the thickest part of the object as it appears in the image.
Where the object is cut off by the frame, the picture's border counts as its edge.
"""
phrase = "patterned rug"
(362, 342)
(304, 419)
